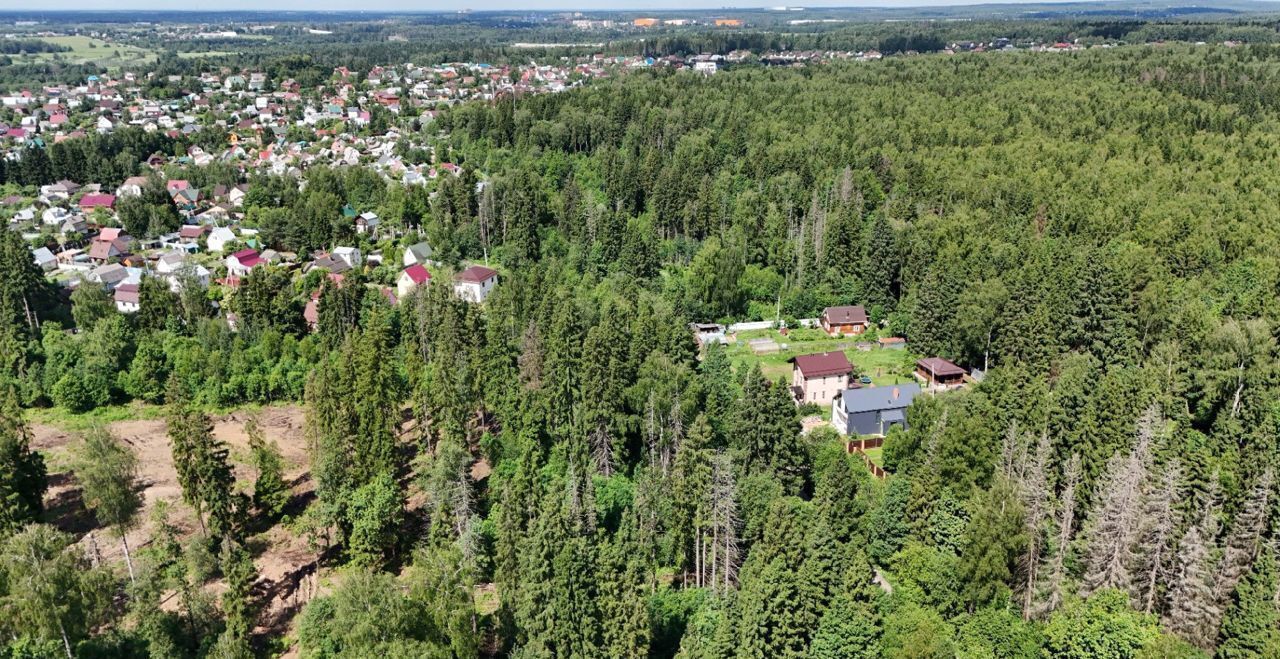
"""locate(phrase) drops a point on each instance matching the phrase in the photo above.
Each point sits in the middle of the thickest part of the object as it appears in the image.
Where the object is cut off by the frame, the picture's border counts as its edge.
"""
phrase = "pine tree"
(1249, 628)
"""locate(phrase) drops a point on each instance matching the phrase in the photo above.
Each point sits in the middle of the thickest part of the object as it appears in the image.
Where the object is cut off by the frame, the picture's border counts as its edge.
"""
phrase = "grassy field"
(88, 49)
(876, 455)
(883, 366)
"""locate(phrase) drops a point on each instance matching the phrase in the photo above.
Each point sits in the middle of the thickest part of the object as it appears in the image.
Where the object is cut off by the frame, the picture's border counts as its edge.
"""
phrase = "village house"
(844, 320)
(54, 216)
(367, 223)
(110, 275)
(132, 187)
(820, 377)
(127, 298)
(475, 283)
(45, 259)
(219, 238)
(411, 278)
(190, 234)
(174, 266)
(349, 255)
(110, 245)
(240, 263)
(872, 410)
(419, 253)
(706, 333)
(937, 372)
(92, 202)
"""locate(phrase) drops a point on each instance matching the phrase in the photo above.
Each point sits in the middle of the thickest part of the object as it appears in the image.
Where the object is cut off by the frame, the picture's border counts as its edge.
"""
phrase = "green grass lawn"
(88, 49)
(876, 455)
(884, 366)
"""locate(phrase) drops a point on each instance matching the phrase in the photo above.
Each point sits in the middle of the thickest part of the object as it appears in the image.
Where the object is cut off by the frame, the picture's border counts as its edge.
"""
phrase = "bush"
(79, 391)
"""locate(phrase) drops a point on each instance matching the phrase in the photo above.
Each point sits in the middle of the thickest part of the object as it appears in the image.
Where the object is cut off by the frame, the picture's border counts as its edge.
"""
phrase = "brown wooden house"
(844, 320)
(938, 372)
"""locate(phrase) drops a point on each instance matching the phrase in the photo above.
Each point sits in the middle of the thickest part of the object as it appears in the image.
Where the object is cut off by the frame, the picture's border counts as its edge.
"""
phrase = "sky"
(453, 5)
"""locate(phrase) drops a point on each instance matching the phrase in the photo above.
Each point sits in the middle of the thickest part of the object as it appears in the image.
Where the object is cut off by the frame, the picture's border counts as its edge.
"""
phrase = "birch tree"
(108, 474)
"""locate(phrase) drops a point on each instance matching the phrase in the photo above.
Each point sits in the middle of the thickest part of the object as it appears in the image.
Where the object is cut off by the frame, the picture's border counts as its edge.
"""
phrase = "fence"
(859, 446)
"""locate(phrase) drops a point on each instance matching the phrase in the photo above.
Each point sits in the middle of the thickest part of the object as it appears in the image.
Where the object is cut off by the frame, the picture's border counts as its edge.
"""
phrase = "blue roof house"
(872, 410)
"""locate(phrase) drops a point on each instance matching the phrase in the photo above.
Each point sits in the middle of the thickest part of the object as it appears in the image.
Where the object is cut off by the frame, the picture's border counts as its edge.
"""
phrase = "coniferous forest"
(564, 471)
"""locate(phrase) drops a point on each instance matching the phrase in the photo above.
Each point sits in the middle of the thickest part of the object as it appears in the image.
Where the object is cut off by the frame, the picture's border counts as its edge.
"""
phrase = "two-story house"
(820, 377)
(475, 283)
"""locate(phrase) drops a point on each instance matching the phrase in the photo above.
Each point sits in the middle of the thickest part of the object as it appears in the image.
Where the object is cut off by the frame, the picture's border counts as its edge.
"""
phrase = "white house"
(475, 283)
(173, 266)
(419, 253)
(54, 215)
(127, 298)
(367, 222)
(219, 237)
(132, 187)
(411, 278)
(349, 255)
(240, 263)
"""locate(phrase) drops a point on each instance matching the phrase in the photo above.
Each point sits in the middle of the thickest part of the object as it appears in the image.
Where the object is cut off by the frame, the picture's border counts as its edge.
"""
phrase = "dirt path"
(286, 565)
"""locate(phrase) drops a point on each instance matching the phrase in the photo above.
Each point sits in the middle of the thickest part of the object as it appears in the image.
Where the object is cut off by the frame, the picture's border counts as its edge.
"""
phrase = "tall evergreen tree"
(1249, 628)
(22, 471)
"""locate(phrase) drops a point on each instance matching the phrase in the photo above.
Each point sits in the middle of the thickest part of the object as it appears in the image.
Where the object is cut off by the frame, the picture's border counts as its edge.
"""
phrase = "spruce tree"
(1249, 628)
(270, 492)
(1245, 540)
(22, 470)
(848, 630)
(1154, 554)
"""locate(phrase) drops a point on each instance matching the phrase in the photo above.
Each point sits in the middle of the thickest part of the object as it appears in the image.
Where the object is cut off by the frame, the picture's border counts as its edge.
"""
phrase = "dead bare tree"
(1033, 486)
(1116, 519)
(1244, 541)
(1055, 572)
(1193, 611)
(724, 524)
(1154, 554)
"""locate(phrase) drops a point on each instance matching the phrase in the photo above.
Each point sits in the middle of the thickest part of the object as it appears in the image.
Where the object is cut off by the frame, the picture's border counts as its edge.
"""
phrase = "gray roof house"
(873, 410)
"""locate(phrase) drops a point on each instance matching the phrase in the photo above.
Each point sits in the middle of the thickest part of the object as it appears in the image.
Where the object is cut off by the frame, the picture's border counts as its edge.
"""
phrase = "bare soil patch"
(287, 566)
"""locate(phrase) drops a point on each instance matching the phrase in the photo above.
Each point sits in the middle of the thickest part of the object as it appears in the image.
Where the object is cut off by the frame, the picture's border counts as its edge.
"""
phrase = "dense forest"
(1096, 231)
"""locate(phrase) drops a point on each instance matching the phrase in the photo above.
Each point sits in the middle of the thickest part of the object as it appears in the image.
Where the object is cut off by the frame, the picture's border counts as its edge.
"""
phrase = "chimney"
(895, 393)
